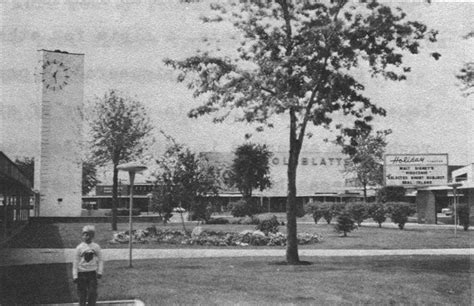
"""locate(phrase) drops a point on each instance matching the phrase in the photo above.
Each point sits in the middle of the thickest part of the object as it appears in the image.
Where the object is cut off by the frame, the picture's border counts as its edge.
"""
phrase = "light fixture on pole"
(455, 185)
(131, 168)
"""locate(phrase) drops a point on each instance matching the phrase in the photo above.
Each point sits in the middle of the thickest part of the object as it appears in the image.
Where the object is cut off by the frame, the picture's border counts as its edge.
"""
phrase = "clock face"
(55, 75)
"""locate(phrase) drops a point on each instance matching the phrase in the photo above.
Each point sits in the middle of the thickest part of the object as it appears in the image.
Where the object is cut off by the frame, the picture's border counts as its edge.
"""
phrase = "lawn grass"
(68, 235)
(397, 280)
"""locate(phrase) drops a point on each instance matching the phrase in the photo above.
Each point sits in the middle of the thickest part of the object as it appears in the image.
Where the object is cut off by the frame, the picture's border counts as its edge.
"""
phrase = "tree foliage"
(399, 212)
(366, 158)
(185, 179)
(27, 167)
(345, 223)
(120, 128)
(359, 211)
(391, 194)
(89, 176)
(378, 212)
(251, 168)
(298, 59)
(466, 74)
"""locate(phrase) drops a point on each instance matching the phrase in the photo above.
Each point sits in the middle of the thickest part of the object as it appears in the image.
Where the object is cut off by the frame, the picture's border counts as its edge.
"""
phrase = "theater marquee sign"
(411, 170)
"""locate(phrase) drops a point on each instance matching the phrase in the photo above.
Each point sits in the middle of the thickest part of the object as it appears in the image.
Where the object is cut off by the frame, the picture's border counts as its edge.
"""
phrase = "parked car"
(447, 211)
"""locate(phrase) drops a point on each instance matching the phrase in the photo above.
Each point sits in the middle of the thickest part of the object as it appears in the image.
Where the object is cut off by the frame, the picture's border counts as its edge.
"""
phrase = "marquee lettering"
(307, 161)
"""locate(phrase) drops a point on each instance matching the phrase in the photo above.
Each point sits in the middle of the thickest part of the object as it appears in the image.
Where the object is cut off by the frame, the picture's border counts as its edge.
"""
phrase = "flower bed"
(211, 238)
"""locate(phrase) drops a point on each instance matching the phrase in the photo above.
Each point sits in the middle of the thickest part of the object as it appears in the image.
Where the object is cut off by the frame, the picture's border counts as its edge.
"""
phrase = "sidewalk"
(11, 257)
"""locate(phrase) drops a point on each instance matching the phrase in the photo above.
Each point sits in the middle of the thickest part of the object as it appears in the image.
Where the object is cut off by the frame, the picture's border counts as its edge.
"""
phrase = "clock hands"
(58, 72)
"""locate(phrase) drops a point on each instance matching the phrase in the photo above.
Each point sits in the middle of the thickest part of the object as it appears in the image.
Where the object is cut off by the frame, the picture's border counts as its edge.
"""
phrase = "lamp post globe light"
(455, 185)
(131, 168)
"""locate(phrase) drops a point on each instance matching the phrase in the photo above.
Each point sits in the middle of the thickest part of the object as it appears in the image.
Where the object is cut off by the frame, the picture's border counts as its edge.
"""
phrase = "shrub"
(345, 222)
(399, 212)
(126, 212)
(268, 226)
(378, 212)
(327, 212)
(463, 216)
(314, 209)
(217, 221)
(359, 212)
(242, 209)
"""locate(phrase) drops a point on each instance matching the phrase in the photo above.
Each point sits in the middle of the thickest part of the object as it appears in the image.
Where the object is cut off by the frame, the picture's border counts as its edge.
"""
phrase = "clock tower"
(58, 168)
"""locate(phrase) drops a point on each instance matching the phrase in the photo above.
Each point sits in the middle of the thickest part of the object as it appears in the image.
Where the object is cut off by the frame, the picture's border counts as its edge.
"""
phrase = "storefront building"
(16, 196)
(321, 176)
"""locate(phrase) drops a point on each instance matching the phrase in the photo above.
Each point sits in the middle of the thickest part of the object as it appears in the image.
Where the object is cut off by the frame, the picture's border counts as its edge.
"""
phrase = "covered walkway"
(15, 197)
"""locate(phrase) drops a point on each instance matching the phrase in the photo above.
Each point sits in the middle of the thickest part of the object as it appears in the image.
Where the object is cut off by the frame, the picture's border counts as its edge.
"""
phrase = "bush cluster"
(268, 226)
(212, 238)
(243, 208)
(359, 211)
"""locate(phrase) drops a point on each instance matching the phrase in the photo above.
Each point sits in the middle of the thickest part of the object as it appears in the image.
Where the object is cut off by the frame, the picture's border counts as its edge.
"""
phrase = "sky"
(125, 42)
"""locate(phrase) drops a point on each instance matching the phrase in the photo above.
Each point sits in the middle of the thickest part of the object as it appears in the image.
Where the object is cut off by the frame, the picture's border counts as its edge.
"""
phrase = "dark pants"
(87, 287)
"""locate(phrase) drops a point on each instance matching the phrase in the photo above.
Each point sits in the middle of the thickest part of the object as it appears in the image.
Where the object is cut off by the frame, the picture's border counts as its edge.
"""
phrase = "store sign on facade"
(411, 170)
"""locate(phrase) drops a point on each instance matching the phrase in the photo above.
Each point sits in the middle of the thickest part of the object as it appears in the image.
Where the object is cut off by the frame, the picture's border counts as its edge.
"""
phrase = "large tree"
(366, 158)
(297, 60)
(120, 128)
(251, 169)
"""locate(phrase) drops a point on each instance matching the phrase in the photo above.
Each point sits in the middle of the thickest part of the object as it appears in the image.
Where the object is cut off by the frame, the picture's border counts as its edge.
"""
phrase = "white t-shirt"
(88, 258)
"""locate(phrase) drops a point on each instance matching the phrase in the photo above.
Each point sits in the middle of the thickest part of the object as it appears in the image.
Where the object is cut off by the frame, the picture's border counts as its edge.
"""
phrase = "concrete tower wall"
(58, 169)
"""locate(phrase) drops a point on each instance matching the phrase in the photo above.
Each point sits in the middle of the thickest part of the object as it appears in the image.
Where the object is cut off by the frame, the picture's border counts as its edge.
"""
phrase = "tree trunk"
(365, 192)
(114, 198)
(292, 239)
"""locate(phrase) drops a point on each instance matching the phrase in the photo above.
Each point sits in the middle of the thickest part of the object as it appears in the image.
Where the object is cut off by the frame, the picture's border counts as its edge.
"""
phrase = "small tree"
(358, 211)
(186, 180)
(162, 201)
(366, 158)
(119, 130)
(251, 169)
(345, 223)
(464, 216)
(378, 212)
(399, 213)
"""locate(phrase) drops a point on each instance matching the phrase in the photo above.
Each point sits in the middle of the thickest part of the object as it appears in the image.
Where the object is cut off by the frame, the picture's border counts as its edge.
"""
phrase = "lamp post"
(455, 185)
(132, 168)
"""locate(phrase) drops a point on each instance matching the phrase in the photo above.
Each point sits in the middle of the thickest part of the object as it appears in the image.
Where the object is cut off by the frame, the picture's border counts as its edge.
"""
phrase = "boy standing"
(87, 267)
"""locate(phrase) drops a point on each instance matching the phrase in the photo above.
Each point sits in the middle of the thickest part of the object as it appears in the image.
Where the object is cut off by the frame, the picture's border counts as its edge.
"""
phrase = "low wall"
(90, 219)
